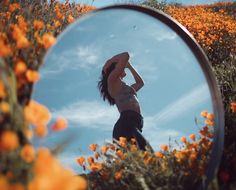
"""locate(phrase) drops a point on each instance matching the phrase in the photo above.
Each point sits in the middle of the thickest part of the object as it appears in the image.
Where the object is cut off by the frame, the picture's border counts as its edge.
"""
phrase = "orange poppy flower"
(38, 24)
(192, 137)
(48, 40)
(14, 6)
(5, 50)
(5, 107)
(32, 76)
(41, 130)
(20, 68)
(95, 166)
(37, 114)
(204, 114)
(104, 149)
(120, 154)
(81, 160)
(183, 140)
(164, 147)
(159, 155)
(70, 19)
(22, 42)
(93, 147)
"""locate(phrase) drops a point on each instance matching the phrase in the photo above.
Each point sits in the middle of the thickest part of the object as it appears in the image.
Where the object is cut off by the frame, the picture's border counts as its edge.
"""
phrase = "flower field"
(28, 29)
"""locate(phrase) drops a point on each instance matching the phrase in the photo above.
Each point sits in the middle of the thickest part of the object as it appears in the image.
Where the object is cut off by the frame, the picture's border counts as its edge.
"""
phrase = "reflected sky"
(175, 90)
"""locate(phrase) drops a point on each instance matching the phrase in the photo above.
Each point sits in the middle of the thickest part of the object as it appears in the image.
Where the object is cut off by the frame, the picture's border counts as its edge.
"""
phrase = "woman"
(116, 91)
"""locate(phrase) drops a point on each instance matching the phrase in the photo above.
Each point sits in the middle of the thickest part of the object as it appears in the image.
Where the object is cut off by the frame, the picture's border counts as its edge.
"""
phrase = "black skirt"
(130, 125)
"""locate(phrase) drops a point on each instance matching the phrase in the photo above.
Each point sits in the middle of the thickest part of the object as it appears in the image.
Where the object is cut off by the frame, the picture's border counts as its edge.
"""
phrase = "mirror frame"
(187, 37)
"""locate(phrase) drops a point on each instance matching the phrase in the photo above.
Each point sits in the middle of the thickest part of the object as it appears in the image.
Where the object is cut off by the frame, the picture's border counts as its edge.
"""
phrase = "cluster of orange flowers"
(46, 177)
(205, 25)
(189, 155)
(32, 34)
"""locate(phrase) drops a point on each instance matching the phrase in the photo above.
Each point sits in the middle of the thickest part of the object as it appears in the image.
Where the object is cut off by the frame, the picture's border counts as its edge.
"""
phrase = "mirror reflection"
(174, 93)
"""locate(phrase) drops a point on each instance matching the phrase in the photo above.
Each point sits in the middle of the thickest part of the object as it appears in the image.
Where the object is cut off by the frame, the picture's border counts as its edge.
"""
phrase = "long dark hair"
(103, 86)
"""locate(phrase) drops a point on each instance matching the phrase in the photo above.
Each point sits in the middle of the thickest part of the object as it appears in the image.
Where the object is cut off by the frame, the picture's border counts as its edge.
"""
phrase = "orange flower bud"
(9, 141)
(93, 147)
(192, 137)
(32, 76)
(27, 153)
(60, 124)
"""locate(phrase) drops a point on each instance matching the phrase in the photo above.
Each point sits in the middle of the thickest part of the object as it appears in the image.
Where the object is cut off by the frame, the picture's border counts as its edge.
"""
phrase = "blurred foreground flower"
(50, 175)
(60, 124)
(8, 141)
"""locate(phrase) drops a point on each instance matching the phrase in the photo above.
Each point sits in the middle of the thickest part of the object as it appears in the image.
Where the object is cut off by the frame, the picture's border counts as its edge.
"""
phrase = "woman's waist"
(131, 113)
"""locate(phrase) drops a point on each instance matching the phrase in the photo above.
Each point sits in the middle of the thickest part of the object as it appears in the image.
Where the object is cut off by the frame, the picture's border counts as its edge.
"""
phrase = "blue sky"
(175, 90)
(101, 3)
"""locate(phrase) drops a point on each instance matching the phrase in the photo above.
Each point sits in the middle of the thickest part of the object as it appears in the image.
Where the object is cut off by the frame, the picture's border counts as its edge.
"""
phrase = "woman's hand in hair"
(115, 58)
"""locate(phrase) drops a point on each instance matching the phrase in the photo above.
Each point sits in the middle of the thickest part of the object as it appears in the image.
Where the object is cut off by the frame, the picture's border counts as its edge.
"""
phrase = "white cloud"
(80, 57)
(91, 114)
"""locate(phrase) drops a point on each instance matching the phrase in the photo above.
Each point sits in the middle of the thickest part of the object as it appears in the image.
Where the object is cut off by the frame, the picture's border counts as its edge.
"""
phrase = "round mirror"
(178, 82)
